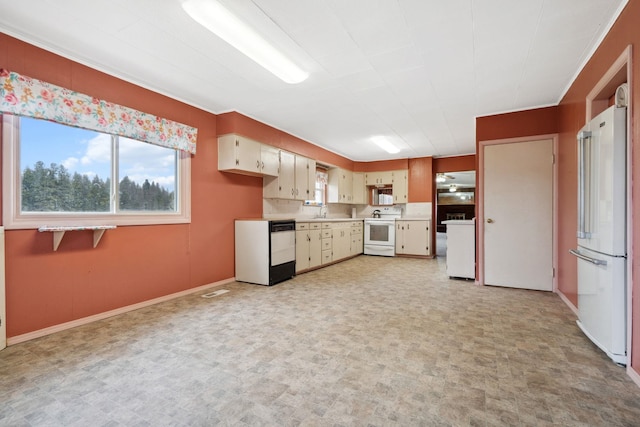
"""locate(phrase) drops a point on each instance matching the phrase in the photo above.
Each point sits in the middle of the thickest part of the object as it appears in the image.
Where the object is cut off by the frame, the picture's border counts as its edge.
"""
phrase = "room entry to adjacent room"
(517, 236)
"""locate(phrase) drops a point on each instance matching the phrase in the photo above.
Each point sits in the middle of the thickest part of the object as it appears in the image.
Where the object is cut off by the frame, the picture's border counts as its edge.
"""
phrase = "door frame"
(480, 201)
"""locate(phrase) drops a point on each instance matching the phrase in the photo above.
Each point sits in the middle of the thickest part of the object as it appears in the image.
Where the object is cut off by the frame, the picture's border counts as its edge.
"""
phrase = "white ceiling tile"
(416, 70)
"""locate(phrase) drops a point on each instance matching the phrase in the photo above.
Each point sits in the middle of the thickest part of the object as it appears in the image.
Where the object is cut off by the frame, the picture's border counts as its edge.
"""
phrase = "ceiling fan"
(440, 177)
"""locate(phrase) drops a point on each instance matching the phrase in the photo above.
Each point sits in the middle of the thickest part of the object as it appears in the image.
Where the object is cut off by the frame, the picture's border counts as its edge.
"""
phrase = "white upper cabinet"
(359, 191)
(400, 186)
(305, 178)
(239, 155)
(379, 178)
(295, 181)
(269, 160)
(340, 186)
(245, 156)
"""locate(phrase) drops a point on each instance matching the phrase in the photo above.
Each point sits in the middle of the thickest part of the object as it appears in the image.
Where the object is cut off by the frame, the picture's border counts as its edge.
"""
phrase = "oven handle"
(378, 222)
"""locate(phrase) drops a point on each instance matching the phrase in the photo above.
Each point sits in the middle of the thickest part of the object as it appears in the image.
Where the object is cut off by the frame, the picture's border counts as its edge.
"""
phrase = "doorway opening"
(455, 200)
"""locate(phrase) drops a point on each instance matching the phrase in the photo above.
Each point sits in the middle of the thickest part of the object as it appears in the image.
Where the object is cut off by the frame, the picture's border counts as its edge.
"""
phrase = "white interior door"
(518, 215)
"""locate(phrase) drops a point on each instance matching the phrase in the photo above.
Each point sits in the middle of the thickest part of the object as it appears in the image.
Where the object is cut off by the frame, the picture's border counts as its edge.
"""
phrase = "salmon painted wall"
(131, 264)
(381, 165)
(566, 120)
(572, 116)
(454, 164)
(240, 124)
(420, 180)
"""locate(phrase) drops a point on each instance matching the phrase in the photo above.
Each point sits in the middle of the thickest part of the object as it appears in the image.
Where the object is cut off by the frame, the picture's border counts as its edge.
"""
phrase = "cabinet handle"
(262, 165)
(258, 164)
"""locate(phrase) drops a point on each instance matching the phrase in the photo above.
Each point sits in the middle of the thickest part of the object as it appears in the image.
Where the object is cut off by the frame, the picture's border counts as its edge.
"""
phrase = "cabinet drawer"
(302, 225)
(326, 244)
(356, 230)
(314, 225)
(326, 233)
(326, 225)
(326, 256)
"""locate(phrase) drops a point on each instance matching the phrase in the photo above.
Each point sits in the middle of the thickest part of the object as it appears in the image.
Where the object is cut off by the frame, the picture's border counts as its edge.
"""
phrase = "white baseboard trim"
(79, 322)
(569, 303)
(635, 376)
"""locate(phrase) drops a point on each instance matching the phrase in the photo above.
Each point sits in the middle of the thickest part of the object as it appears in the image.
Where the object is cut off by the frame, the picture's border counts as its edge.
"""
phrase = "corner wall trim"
(635, 377)
(100, 316)
(564, 298)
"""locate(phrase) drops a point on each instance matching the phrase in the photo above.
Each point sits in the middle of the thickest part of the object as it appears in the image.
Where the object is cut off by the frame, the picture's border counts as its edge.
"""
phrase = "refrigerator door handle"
(587, 258)
(583, 184)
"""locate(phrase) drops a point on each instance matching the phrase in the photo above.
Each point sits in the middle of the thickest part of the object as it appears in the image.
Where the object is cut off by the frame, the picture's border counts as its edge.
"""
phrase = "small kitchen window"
(322, 177)
(59, 175)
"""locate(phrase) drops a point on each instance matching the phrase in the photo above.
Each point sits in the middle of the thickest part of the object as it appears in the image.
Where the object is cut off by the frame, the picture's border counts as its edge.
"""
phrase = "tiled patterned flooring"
(371, 341)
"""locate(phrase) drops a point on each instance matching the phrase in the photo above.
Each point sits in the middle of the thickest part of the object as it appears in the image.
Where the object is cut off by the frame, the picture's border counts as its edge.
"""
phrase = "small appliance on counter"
(265, 250)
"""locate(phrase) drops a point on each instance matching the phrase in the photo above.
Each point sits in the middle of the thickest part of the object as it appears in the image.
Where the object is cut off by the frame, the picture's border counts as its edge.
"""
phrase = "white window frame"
(13, 218)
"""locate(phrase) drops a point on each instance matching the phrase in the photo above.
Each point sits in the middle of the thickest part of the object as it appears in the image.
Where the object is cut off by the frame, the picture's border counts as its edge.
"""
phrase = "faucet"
(323, 212)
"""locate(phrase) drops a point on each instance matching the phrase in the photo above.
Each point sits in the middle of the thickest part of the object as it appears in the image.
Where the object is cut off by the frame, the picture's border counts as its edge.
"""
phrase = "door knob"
(489, 221)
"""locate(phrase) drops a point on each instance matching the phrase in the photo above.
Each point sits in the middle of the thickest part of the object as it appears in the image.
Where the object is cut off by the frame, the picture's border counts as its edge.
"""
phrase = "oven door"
(379, 232)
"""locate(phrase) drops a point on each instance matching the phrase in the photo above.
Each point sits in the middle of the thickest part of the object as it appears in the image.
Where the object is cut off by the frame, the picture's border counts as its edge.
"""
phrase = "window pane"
(63, 169)
(147, 176)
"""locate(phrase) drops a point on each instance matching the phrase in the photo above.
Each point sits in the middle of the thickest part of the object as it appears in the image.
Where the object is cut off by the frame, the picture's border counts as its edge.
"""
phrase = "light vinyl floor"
(372, 341)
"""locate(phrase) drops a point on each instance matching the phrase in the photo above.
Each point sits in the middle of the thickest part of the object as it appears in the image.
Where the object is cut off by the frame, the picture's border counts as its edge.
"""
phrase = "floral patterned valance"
(29, 97)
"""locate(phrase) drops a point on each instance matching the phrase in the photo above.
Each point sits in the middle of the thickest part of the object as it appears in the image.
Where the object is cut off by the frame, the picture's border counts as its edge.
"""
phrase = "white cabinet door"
(302, 249)
(379, 178)
(339, 187)
(400, 187)
(270, 160)
(341, 241)
(416, 238)
(413, 237)
(238, 154)
(286, 178)
(359, 191)
(305, 178)
(315, 248)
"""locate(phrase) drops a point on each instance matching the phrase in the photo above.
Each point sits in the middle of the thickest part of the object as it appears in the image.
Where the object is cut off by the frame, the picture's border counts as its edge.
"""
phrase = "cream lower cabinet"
(357, 238)
(341, 244)
(308, 246)
(413, 237)
(327, 242)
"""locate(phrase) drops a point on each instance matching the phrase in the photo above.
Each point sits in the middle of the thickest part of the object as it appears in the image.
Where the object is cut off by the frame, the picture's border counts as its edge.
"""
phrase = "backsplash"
(277, 208)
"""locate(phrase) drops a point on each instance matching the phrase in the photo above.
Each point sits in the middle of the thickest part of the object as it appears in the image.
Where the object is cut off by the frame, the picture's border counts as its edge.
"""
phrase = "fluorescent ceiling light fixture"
(220, 21)
(384, 143)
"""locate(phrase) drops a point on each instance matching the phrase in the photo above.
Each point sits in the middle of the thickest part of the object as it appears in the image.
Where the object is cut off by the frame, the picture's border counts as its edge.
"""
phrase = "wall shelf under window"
(58, 232)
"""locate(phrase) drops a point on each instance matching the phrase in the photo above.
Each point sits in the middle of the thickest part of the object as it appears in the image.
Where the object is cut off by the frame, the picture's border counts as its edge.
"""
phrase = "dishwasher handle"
(587, 258)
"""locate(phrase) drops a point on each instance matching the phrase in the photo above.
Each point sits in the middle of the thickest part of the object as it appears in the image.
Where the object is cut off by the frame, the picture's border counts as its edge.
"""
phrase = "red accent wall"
(234, 122)
(421, 180)
(135, 263)
(454, 164)
(572, 117)
(381, 165)
(567, 119)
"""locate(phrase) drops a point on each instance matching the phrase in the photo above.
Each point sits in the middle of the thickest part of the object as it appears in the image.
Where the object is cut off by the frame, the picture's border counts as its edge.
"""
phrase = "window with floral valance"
(25, 96)
(70, 159)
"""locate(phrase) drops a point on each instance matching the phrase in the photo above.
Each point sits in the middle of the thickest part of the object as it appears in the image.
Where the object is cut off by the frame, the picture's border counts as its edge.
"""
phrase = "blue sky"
(88, 153)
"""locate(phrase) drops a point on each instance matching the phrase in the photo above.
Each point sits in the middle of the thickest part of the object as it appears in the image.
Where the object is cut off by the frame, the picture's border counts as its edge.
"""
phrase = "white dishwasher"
(265, 250)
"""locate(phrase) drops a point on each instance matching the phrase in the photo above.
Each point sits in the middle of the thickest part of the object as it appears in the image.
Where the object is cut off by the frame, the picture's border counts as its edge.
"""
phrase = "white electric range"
(380, 232)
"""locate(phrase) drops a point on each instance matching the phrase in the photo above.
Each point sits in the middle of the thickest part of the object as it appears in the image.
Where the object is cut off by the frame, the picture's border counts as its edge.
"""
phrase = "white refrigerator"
(601, 251)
